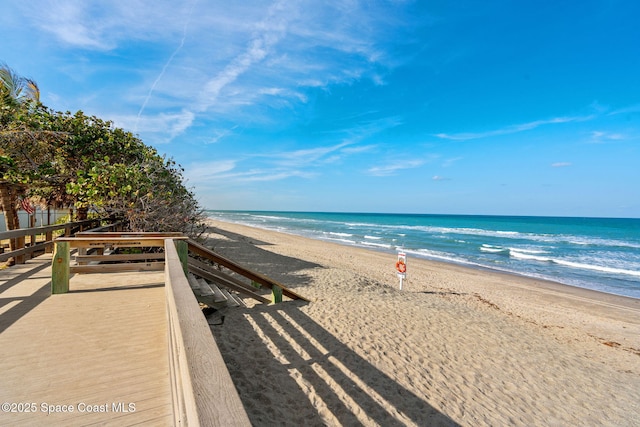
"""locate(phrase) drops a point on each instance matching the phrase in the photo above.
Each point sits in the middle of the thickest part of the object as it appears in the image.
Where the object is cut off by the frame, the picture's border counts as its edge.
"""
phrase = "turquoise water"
(596, 253)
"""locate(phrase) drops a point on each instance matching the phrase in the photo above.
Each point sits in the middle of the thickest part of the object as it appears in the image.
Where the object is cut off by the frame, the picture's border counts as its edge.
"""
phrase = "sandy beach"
(455, 346)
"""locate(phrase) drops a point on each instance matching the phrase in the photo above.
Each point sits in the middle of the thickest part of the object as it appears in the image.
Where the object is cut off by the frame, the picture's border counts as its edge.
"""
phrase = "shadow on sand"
(279, 357)
(247, 252)
(289, 370)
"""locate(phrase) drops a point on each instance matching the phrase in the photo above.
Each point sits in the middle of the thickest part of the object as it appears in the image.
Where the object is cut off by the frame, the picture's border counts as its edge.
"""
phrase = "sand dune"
(456, 346)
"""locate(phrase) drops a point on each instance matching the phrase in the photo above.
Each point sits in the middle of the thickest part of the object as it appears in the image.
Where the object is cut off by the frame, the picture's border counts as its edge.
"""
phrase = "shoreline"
(595, 284)
(458, 340)
(558, 286)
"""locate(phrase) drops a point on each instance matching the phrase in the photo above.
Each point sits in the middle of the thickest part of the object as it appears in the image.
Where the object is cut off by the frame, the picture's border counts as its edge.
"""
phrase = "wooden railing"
(24, 249)
(277, 288)
(61, 269)
(84, 241)
(203, 391)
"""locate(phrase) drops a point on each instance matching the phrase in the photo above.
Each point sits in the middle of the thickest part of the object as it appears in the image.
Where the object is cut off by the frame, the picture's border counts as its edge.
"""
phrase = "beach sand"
(457, 346)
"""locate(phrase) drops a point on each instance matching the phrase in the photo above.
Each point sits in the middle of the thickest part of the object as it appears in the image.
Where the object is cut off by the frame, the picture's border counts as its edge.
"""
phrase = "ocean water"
(595, 253)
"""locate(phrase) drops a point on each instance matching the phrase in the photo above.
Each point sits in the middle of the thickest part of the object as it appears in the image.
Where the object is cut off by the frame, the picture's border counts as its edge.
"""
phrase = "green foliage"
(65, 159)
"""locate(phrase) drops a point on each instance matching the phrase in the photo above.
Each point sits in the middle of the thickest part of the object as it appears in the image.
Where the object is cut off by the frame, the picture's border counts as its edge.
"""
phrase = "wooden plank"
(92, 347)
(12, 234)
(193, 282)
(231, 301)
(205, 252)
(100, 229)
(35, 248)
(228, 281)
(128, 242)
(238, 299)
(115, 268)
(60, 269)
(119, 257)
(172, 234)
(204, 393)
(213, 290)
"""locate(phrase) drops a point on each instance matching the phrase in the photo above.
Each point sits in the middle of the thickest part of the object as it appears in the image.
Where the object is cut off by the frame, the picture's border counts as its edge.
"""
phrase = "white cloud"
(449, 162)
(237, 59)
(464, 136)
(358, 149)
(561, 164)
(392, 168)
(104, 25)
(601, 137)
(309, 156)
(626, 110)
(226, 172)
(202, 172)
(163, 127)
(271, 175)
(219, 134)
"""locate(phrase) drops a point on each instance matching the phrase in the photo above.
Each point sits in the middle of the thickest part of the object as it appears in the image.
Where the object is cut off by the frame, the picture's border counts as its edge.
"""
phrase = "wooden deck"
(100, 350)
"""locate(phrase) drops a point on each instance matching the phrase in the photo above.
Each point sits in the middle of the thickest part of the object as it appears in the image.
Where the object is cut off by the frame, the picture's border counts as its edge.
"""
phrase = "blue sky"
(461, 107)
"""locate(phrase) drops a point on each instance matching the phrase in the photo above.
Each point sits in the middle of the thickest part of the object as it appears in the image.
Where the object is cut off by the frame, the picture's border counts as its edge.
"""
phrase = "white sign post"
(401, 267)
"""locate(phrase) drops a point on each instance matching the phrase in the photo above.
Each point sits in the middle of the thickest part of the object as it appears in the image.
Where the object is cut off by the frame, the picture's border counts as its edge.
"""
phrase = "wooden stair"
(215, 296)
(210, 273)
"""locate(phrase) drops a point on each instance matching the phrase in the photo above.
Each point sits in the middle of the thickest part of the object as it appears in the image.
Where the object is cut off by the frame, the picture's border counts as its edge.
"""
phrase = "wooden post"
(183, 254)
(60, 268)
(20, 244)
(277, 294)
(48, 237)
(32, 238)
(82, 251)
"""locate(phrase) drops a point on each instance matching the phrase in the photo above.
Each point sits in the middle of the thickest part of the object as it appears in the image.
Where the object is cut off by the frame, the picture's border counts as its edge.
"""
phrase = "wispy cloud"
(561, 164)
(220, 134)
(239, 61)
(465, 136)
(599, 137)
(106, 25)
(304, 163)
(268, 33)
(309, 154)
(163, 127)
(393, 167)
(69, 25)
(449, 162)
(261, 175)
(230, 173)
(164, 68)
(203, 170)
(351, 139)
(626, 110)
(359, 149)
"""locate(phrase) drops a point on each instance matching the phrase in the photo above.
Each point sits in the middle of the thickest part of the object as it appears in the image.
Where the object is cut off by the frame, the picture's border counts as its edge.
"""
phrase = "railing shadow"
(248, 253)
(277, 354)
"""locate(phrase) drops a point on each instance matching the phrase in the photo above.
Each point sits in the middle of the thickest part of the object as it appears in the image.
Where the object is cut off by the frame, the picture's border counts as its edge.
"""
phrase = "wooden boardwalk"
(100, 350)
